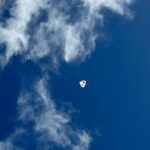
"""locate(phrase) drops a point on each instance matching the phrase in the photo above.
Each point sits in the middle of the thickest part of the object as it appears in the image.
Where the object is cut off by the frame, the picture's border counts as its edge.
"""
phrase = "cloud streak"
(49, 123)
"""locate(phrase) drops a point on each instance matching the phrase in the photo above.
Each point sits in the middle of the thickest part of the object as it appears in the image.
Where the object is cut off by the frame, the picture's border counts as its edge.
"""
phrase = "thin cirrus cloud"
(50, 124)
(39, 29)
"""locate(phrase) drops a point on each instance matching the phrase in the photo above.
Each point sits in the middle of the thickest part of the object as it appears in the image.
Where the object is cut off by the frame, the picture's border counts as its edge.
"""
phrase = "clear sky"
(47, 47)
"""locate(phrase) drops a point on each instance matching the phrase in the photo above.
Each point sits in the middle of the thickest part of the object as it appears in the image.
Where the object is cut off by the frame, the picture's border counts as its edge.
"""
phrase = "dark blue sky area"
(115, 105)
(116, 102)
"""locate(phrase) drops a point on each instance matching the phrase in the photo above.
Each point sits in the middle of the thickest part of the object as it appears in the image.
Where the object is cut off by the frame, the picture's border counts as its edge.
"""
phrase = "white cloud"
(53, 124)
(50, 124)
(9, 143)
(84, 141)
(117, 6)
(13, 33)
(74, 40)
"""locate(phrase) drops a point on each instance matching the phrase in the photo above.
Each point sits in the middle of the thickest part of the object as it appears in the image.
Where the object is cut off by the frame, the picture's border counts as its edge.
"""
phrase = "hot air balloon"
(82, 83)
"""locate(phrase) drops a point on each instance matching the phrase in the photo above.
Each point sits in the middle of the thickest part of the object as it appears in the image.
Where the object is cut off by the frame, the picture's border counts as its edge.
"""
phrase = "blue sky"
(47, 48)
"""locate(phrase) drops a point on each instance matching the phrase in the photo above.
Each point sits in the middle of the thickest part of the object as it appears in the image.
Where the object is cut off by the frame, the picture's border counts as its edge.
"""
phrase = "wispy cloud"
(53, 124)
(50, 124)
(57, 33)
(14, 32)
(11, 142)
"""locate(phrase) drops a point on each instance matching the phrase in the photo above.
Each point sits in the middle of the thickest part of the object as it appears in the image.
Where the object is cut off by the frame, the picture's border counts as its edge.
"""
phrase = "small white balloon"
(82, 83)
